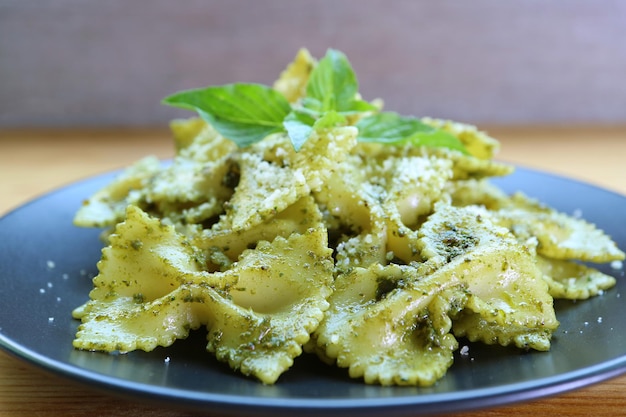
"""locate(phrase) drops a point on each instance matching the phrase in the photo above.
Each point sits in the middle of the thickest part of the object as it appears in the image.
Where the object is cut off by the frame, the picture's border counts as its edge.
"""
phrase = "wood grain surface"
(36, 161)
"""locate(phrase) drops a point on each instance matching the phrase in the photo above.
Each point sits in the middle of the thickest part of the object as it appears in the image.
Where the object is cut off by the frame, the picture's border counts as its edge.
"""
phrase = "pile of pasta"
(377, 258)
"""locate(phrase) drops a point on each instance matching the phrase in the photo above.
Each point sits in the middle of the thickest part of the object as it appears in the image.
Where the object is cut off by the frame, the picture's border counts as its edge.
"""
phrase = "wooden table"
(36, 161)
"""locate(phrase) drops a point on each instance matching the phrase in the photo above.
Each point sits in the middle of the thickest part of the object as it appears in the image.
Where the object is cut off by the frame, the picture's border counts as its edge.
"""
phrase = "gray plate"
(46, 265)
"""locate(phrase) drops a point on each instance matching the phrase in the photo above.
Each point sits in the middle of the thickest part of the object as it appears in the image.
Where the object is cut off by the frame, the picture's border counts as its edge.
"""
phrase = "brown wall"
(89, 62)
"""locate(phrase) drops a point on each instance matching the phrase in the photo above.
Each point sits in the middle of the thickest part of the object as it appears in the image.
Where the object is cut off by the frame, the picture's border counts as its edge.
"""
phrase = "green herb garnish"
(243, 113)
(300, 124)
(247, 113)
(333, 86)
(391, 128)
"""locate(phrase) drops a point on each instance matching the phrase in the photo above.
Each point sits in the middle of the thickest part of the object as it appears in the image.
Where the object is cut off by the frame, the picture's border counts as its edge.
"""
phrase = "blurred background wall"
(93, 63)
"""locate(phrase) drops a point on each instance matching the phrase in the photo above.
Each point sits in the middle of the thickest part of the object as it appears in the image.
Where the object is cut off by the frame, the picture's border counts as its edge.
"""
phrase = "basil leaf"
(243, 113)
(299, 126)
(391, 128)
(360, 106)
(333, 86)
(329, 120)
(388, 127)
(437, 138)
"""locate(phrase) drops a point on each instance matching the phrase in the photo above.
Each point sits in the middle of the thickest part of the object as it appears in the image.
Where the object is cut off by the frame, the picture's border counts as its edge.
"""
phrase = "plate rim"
(465, 400)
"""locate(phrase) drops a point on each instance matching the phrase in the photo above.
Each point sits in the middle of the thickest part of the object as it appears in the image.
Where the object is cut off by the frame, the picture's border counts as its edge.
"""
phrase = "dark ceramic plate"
(46, 265)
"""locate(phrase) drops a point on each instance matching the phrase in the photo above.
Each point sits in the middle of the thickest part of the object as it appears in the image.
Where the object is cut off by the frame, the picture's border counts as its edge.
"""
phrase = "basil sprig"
(247, 113)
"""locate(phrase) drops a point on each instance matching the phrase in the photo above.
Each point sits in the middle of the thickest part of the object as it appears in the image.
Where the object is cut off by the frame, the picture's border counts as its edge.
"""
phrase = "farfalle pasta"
(375, 255)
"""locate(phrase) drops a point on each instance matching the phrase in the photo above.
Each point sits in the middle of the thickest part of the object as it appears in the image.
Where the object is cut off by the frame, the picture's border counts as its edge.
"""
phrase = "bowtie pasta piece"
(572, 280)
(561, 236)
(152, 289)
(224, 246)
(529, 219)
(108, 205)
(508, 300)
(292, 81)
(136, 301)
(191, 189)
(263, 321)
(371, 198)
(390, 326)
(273, 176)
